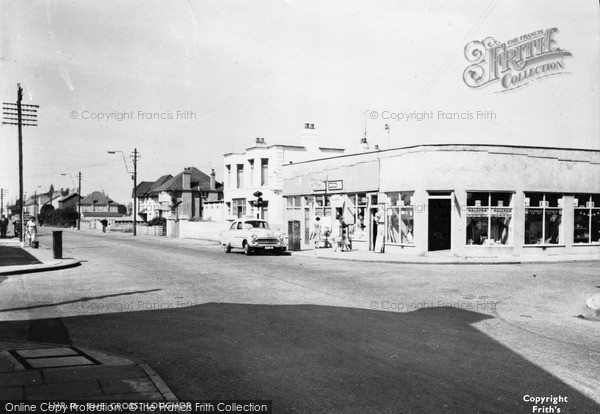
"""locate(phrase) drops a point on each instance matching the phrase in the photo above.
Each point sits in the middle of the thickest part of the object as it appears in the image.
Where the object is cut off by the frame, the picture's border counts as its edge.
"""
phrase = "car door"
(238, 235)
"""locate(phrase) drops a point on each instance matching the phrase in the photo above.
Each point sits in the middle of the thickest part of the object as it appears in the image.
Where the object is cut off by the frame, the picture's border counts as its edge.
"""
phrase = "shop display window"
(543, 218)
(489, 218)
(354, 216)
(586, 221)
(400, 218)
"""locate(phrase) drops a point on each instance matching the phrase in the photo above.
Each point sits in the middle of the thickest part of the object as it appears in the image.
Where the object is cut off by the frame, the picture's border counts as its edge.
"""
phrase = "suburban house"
(68, 201)
(259, 168)
(146, 197)
(97, 206)
(199, 195)
(33, 205)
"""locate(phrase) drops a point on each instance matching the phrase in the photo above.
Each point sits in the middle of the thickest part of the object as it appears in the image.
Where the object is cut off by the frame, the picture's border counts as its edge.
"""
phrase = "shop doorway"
(294, 235)
(440, 224)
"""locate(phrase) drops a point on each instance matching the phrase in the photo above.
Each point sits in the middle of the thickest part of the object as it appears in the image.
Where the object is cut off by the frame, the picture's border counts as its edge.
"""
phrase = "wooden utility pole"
(79, 203)
(21, 115)
(135, 157)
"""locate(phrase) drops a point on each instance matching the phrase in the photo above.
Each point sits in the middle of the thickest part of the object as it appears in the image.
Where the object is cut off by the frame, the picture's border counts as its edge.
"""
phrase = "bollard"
(57, 244)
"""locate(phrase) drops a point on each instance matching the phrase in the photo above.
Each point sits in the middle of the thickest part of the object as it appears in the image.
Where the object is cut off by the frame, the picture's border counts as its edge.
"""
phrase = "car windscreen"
(258, 224)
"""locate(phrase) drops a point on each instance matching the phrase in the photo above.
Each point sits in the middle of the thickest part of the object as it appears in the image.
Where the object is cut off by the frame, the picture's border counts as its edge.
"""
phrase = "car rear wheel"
(247, 249)
(227, 248)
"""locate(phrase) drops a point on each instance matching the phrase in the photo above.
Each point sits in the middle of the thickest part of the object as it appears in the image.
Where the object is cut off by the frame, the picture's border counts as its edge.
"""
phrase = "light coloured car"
(252, 235)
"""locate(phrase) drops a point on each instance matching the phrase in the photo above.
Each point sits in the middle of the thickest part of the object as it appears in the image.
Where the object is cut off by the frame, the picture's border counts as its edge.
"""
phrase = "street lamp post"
(78, 199)
(135, 157)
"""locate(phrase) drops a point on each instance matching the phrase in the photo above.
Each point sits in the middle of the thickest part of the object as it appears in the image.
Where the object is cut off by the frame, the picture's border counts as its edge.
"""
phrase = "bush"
(158, 221)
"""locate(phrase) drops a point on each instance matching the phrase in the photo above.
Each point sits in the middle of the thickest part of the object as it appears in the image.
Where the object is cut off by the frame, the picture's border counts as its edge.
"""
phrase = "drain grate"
(59, 357)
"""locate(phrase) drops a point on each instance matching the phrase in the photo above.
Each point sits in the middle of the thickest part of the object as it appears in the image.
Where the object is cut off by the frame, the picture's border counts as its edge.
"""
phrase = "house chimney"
(186, 180)
(213, 181)
(309, 138)
(260, 142)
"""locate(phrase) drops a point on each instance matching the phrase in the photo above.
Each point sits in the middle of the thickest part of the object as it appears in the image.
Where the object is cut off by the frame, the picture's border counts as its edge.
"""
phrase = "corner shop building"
(464, 200)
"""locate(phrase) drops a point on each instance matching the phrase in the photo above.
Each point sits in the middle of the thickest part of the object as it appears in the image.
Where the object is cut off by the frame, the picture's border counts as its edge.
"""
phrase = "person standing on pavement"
(104, 223)
(32, 230)
(3, 226)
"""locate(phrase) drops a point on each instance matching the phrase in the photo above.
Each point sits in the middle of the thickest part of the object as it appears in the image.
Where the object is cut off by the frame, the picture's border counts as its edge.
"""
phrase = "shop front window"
(400, 224)
(354, 215)
(586, 225)
(489, 218)
(322, 206)
(543, 218)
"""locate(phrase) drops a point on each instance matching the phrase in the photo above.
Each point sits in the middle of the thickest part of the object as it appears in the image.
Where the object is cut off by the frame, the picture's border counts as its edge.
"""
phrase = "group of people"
(338, 235)
(31, 229)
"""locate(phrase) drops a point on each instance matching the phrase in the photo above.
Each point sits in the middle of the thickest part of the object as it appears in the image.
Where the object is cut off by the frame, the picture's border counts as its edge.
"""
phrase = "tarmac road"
(321, 336)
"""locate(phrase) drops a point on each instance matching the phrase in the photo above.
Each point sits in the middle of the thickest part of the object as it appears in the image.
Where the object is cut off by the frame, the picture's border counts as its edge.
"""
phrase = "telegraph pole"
(79, 203)
(135, 157)
(21, 115)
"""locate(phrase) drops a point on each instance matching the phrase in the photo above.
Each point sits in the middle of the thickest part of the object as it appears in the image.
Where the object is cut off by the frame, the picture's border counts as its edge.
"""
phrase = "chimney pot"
(258, 140)
(307, 126)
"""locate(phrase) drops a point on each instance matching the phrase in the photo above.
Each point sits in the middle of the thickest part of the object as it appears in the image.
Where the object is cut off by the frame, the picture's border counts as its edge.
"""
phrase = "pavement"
(15, 259)
(32, 371)
(439, 258)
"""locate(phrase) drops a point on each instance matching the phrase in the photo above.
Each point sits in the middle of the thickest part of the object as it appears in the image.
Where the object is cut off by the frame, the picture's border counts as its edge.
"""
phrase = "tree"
(46, 214)
(175, 205)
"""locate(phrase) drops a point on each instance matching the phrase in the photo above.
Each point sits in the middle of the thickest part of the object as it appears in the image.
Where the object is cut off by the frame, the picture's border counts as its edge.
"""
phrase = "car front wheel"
(247, 250)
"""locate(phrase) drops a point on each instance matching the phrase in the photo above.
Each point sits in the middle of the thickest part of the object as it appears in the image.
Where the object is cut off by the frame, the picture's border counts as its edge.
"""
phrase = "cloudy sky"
(263, 69)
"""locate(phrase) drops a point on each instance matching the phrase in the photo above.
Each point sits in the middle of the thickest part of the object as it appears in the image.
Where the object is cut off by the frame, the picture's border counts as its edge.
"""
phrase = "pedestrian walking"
(3, 226)
(317, 234)
(32, 230)
(104, 223)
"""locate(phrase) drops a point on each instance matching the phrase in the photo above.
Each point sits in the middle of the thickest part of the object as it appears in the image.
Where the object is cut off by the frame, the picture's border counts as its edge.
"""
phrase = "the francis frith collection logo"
(516, 62)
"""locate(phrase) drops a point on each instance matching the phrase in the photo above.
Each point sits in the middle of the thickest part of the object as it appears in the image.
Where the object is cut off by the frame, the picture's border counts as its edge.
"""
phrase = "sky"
(239, 70)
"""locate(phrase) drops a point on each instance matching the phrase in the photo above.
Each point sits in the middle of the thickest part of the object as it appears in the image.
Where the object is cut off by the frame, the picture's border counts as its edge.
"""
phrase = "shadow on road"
(322, 359)
(15, 256)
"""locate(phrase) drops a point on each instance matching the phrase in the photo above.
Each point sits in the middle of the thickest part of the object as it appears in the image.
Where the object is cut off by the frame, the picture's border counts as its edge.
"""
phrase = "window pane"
(477, 229)
(580, 200)
(393, 230)
(500, 231)
(534, 199)
(533, 226)
(553, 220)
(552, 200)
(501, 199)
(581, 231)
(595, 225)
(394, 198)
(406, 225)
(407, 198)
(358, 230)
(477, 199)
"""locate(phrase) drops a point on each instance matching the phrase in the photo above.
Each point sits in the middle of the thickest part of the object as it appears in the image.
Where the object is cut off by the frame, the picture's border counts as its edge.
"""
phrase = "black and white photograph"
(300, 206)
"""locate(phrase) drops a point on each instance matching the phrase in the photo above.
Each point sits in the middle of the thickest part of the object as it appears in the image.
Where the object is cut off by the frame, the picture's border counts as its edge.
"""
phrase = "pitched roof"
(97, 198)
(63, 198)
(199, 181)
(148, 188)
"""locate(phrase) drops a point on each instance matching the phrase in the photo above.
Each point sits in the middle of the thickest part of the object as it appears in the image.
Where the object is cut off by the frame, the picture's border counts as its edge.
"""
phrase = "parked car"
(252, 235)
